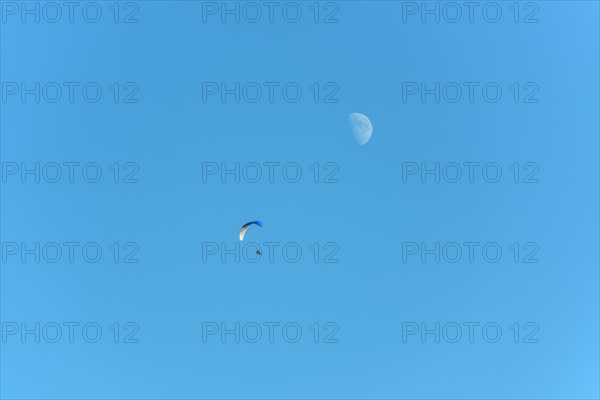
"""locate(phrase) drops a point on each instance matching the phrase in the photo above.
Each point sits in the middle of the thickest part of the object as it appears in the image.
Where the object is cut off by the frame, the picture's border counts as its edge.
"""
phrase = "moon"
(361, 127)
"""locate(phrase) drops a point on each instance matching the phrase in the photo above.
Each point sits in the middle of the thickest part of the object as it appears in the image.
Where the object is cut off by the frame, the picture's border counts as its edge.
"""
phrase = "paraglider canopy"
(246, 226)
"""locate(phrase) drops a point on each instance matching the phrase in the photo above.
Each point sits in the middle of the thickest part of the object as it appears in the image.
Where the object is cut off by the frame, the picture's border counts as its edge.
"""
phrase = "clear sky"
(484, 157)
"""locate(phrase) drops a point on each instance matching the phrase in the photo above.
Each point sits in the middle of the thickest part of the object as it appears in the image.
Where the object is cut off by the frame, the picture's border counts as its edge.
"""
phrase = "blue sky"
(154, 119)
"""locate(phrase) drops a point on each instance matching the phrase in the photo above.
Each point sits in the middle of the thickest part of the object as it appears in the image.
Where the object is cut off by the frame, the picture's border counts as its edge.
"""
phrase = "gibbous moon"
(361, 127)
